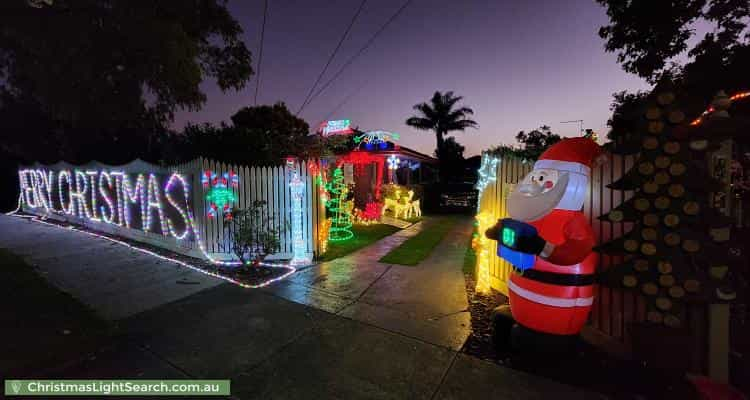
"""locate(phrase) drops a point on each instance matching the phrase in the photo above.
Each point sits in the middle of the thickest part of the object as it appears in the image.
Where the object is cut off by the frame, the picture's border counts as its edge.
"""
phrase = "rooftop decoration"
(337, 127)
(375, 140)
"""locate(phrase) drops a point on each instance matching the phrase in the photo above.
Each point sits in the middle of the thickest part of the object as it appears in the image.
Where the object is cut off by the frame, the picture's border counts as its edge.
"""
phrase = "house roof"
(407, 152)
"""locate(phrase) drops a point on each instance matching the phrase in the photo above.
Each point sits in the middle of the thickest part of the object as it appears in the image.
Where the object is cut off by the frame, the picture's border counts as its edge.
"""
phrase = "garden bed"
(248, 276)
(584, 366)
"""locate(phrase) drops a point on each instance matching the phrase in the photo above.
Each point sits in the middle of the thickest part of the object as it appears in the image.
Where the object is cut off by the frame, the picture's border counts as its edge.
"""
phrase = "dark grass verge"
(42, 325)
(249, 275)
(363, 236)
(586, 367)
(419, 246)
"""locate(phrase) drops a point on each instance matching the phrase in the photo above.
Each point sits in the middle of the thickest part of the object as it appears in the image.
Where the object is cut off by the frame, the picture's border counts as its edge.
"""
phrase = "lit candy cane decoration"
(207, 178)
(108, 216)
(298, 244)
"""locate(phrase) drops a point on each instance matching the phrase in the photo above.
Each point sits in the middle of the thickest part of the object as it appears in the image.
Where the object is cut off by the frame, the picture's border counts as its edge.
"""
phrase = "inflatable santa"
(550, 241)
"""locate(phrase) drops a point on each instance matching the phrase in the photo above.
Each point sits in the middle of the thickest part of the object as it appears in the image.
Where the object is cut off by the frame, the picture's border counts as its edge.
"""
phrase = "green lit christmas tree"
(341, 219)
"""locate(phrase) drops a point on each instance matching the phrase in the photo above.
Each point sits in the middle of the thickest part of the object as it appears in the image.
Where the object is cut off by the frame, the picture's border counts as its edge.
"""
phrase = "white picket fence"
(267, 183)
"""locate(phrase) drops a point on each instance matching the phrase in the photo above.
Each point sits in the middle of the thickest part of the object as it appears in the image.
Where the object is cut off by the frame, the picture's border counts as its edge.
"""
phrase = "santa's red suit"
(556, 295)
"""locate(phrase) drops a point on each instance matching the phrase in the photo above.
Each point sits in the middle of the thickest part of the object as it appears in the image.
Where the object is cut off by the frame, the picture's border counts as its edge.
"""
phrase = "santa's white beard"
(568, 194)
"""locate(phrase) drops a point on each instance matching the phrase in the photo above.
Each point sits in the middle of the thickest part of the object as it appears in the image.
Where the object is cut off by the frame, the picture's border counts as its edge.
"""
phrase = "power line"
(260, 55)
(346, 99)
(330, 59)
(362, 50)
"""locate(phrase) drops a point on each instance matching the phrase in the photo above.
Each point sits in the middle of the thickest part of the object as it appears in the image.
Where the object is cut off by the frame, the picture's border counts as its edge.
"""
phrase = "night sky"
(518, 64)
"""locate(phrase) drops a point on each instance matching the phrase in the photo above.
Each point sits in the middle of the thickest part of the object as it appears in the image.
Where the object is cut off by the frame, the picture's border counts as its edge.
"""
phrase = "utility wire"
(346, 99)
(362, 50)
(330, 59)
(260, 55)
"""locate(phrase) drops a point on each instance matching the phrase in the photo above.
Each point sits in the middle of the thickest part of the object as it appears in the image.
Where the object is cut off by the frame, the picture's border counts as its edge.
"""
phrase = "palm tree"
(439, 116)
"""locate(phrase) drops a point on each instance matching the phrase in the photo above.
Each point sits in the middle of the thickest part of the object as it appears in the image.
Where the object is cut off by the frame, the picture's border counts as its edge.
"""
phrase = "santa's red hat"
(576, 155)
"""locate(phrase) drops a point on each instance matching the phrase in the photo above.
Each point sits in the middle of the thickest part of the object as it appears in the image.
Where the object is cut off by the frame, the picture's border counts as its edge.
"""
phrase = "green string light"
(341, 220)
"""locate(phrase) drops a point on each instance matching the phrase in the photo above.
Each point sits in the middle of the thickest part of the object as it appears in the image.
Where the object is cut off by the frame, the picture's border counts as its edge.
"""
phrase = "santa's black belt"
(559, 279)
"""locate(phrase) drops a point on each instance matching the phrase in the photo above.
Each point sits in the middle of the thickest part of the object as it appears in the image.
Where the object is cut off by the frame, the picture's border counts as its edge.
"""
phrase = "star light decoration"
(487, 173)
(220, 196)
(393, 161)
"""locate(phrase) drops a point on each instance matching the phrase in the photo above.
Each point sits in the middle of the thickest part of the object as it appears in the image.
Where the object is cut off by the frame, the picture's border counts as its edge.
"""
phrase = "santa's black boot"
(502, 323)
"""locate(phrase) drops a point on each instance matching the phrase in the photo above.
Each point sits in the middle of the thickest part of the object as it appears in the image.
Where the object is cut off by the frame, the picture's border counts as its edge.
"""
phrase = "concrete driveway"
(340, 330)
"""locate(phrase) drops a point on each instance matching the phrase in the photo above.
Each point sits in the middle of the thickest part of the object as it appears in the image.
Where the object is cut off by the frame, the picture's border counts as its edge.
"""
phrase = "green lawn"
(42, 326)
(363, 235)
(418, 247)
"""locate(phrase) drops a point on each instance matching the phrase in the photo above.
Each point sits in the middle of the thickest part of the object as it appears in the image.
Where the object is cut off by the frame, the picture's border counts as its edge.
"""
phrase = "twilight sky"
(518, 64)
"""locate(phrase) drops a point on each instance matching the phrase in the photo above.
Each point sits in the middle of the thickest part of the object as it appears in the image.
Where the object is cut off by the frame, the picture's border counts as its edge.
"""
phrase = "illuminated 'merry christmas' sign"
(338, 127)
(134, 201)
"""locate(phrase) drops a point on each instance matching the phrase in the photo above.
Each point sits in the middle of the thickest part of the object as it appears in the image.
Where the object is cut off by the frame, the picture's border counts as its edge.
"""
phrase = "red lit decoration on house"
(359, 157)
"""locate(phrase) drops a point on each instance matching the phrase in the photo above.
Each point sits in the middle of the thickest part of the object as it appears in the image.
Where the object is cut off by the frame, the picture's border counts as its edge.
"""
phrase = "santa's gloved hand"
(530, 244)
(493, 233)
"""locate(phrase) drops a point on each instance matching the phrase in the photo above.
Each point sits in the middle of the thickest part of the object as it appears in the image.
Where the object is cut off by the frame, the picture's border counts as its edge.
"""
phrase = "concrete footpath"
(340, 330)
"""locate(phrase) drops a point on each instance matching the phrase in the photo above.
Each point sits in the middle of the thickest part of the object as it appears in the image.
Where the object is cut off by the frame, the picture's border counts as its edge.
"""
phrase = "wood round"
(676, 190)
(629, 281)
(650, 143)
(646, 168)
(650, 187)
(648, 249)
(676, 116)
(663, 303)
(655, 127)
(671, 220)
(664, 267)
(640, 265)
(662, 202)
(662, 178)
(671, 147)
(631, 245)
(662, 162)
(691, 208)
(672, 239)
(666, 280)
(649, 234)
(651, 220)
(677, 169)
(677, 292)
(642, 204)
(650, 289)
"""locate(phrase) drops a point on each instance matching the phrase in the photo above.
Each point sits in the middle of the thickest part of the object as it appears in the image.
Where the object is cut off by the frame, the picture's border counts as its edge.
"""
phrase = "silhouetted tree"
(258, 135)
(626, 108)
(453, 158)
(441, 116)
(111, 72)
(648, 35)
(535, 142)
